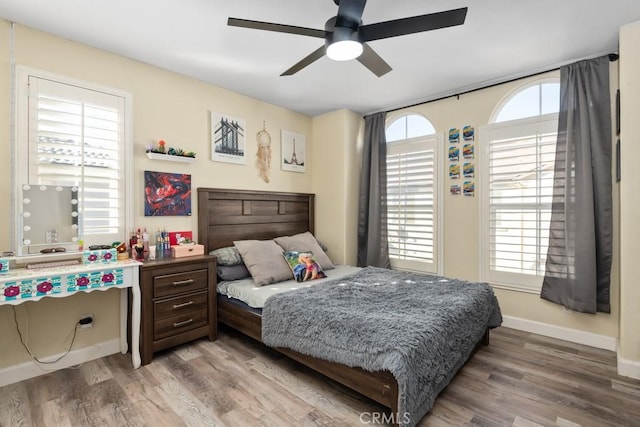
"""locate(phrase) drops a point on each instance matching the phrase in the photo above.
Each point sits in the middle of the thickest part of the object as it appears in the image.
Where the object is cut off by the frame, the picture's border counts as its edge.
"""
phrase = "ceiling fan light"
(344, 50)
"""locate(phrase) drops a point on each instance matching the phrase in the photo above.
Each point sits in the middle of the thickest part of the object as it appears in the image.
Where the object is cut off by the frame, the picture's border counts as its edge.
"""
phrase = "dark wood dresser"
(178, 302)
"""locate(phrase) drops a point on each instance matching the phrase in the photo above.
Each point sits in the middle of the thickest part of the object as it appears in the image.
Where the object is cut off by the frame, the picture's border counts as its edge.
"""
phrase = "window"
(75, 135)
(517, 171)
(535, 100)
(412, 193)
(409, 126)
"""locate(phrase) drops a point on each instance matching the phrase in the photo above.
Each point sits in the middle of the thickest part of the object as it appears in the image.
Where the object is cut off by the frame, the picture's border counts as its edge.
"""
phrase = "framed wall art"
(228, 139)
(293, 151)
(167, 194)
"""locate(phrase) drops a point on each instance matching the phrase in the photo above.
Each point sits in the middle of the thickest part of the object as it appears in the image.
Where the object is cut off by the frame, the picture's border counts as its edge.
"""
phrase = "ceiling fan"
(346, 38)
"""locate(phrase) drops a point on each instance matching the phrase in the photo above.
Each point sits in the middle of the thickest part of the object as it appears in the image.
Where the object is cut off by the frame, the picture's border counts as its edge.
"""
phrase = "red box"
(176, 237)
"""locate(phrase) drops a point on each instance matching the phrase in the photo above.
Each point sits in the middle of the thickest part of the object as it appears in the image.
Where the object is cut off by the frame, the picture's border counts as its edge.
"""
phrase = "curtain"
(578, 263)
(373, 248)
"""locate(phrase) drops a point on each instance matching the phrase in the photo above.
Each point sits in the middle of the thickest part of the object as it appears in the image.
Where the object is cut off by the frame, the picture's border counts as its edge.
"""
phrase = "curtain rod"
(612, 58)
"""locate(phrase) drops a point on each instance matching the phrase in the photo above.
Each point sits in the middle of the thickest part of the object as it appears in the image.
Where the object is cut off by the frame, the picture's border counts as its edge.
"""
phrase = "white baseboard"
(628, 368)
(16, 373)
(572, 335)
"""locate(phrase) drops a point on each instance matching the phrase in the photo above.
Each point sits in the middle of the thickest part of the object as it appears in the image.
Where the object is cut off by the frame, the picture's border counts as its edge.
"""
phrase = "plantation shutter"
(411, 192)
(76, 138)
(520, 181)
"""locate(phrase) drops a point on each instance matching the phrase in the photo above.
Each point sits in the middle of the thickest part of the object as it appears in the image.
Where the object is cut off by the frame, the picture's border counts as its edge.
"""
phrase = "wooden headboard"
(226, 215)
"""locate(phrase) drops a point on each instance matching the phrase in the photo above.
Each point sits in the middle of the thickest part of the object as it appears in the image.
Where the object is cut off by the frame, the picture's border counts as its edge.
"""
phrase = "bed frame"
(227, 215)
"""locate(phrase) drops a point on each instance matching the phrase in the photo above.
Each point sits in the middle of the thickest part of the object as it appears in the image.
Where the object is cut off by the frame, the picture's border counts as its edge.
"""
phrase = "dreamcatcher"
(264, 152)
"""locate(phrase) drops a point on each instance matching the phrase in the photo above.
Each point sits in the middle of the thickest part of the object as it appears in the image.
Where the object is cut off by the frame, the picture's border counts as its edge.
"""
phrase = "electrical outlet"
(86, 321)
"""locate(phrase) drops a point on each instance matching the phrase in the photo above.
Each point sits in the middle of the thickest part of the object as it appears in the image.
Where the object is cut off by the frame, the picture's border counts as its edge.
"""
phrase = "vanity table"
(21, 285)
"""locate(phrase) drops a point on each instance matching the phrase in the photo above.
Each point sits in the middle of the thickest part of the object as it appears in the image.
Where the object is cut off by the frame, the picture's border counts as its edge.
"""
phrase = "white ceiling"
(500, 40)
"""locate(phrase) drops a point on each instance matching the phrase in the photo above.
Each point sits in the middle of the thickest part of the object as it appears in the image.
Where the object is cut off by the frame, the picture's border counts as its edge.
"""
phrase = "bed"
(225, 216)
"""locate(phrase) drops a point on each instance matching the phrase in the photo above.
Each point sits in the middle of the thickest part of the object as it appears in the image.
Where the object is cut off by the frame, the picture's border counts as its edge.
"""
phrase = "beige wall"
(165, 106)
(5, 137)
(629, 352)
(335, 181)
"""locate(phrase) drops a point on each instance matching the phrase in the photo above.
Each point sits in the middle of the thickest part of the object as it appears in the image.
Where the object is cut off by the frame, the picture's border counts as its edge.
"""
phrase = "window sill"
(516, 288)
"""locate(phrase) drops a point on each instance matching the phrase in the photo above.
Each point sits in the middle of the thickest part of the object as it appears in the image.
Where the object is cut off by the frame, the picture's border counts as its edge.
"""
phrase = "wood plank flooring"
(521, 380)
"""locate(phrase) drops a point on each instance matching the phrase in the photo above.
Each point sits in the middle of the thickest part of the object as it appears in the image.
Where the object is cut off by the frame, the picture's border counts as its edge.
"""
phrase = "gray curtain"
(373, 248)
(580, 238)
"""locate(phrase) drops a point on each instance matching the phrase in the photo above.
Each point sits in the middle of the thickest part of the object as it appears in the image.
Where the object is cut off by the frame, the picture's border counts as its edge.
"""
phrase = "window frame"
(516, 91)
(436, 139)
(406, 117)
(20, 155)
(501, 279)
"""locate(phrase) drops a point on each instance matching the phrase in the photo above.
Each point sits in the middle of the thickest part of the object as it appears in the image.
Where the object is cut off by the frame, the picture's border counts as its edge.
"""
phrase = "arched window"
(533, 100)
(517, 188)
(412, 196)
(409, 126)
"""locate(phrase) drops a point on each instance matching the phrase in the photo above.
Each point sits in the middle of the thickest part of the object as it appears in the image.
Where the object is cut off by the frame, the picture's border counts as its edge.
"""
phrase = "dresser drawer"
(177, 302)
(175, 325)
(179, 283)
(183, 304)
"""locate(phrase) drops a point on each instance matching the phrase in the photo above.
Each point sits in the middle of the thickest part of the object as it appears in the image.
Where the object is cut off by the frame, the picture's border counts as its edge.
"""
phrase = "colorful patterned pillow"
(228, 256)
(304, 266)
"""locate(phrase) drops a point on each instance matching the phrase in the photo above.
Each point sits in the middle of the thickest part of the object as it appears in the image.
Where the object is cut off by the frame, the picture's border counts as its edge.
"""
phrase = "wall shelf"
(170, 158)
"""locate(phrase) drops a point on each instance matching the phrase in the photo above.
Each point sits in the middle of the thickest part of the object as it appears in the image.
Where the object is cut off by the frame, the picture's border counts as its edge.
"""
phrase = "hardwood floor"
(521, 379)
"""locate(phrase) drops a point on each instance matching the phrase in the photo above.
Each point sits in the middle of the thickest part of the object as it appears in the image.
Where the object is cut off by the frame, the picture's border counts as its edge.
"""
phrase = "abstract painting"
(167, 194)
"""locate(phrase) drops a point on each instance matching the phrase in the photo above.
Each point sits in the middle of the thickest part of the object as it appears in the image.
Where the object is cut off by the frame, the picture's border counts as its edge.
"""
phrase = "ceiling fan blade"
(280, 28)
(373, 61)
(415, 24)
(312, 57)
(350, 13)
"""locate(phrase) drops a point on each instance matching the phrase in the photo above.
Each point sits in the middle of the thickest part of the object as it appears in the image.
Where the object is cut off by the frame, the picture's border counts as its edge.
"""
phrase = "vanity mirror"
(47, 219)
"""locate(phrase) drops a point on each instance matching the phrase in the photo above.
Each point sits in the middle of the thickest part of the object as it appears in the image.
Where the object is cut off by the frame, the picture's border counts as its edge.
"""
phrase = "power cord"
(75, 330)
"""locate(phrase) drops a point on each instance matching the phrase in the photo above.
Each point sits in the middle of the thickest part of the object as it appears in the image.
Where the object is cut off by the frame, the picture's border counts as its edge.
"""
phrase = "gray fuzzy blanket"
(421, 328)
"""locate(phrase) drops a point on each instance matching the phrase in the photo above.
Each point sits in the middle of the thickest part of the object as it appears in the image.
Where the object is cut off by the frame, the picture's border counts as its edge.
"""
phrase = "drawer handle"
(184, 322)
(184, 304)
(183, 282)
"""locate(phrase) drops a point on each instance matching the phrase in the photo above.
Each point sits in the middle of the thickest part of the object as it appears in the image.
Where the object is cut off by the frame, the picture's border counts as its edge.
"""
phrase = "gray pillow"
(264, 261)
(227, 256)
(304, 242)
(322, 245)
(233, 272)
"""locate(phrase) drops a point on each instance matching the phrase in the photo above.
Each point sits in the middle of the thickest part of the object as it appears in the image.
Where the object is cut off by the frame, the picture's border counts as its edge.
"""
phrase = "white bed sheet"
(254, 296)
